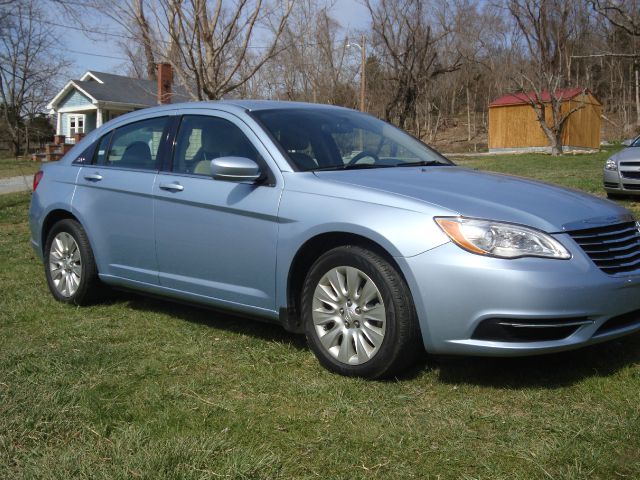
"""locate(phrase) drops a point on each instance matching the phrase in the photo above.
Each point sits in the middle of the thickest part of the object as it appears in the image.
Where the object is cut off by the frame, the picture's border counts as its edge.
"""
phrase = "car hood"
(487, 195)
(631, 153)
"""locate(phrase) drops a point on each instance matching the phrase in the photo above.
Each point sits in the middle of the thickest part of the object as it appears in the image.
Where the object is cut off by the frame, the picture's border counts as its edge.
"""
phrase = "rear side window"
(86, 156)
(203, 138)
(136, 145)
(101, 151)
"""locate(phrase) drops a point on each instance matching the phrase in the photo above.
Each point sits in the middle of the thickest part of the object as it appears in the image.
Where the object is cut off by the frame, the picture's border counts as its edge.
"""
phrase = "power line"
(131, 37)
(79, 29)
(96, 55)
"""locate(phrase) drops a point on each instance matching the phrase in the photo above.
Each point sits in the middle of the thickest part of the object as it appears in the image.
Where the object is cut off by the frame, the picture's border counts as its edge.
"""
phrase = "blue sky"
(94, 52)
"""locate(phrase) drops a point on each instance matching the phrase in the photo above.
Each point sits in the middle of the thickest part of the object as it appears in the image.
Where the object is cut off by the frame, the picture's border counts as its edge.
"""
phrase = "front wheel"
(358, 314)
(70, 267)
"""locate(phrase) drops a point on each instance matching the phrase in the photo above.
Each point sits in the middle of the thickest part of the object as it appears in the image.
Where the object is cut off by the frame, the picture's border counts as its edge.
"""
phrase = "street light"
(363, 84)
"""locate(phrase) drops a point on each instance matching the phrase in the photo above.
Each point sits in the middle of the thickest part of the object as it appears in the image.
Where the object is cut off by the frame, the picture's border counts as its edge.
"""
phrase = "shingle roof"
(522, 98)
(120, 89)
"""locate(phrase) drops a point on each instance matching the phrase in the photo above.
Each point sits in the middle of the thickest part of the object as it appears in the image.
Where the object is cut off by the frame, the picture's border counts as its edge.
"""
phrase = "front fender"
(303, 216)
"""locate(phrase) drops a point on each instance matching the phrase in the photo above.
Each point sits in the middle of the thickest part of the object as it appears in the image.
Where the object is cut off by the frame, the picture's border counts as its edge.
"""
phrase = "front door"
(216, 239)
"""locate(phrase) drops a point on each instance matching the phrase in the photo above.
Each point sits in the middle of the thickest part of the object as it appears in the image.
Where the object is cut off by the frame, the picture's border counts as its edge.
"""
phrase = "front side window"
(136, 145)
(332, 139)
(204, 138)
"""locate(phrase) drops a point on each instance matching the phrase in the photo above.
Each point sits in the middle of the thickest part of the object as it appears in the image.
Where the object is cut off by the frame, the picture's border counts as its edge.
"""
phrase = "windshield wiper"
(423, 163)
(356, 166)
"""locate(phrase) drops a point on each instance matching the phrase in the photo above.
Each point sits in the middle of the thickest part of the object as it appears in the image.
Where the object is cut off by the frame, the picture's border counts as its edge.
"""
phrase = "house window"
(76, 124)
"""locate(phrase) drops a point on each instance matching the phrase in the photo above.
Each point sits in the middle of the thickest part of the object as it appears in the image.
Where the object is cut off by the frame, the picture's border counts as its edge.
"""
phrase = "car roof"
(244, 105)
(257, 105)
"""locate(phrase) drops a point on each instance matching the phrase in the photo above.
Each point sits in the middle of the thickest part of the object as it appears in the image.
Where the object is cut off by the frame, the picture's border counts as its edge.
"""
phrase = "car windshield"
(635, 143)
(336, 139)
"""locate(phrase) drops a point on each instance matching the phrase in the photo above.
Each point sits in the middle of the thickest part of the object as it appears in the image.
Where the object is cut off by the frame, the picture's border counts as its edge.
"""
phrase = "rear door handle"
(93, 177)
(172, 187)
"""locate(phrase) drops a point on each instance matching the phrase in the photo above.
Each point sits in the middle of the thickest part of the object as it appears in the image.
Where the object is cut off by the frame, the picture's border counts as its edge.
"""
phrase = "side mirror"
(235, 169)
(627, 143)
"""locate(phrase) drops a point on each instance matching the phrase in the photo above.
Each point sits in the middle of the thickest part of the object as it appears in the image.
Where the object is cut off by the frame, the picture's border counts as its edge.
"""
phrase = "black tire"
(89, 288)
(401, 344)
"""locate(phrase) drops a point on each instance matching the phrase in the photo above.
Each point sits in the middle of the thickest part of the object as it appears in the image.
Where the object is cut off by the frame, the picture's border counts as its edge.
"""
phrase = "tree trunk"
(468, 115)
(16, 147)
(147, 43)
(637, 99)
(556, 145)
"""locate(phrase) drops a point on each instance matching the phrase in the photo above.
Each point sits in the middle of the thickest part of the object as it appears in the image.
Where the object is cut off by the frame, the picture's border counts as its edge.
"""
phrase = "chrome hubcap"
(65, 264)
(348, 315)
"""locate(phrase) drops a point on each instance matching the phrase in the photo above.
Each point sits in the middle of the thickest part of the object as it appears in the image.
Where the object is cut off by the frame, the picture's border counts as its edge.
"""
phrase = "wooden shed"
(513, 125)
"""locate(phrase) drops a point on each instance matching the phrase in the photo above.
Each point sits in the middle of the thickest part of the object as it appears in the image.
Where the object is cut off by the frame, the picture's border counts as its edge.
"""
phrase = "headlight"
(611, 165)
(503, 240)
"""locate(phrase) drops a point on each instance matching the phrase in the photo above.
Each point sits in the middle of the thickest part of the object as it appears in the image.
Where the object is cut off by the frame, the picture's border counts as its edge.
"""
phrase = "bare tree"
(547, 27)
(146, 38)
(29, 66)
(315, 63)
(212, 45)
(625, 15)
(409, 42)
(551, 100)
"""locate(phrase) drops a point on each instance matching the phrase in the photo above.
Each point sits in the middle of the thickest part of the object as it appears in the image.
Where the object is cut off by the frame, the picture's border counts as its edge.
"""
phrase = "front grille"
(631, 186)
(630, 164)
(629, 174)
(614, 249)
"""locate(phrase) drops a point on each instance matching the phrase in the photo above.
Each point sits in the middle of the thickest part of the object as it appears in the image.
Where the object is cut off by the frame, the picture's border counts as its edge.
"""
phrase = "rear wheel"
(70, 267)
(358, 314)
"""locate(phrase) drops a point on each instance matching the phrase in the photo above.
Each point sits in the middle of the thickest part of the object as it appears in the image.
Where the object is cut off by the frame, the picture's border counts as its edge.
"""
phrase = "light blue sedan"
(336, 224)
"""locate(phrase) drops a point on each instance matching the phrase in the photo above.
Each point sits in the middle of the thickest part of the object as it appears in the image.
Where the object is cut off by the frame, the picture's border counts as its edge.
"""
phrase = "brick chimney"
(165, 83)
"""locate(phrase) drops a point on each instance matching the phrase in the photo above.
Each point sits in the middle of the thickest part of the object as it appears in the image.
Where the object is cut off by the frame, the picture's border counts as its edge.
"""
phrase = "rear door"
(115, 203)
(217, 239)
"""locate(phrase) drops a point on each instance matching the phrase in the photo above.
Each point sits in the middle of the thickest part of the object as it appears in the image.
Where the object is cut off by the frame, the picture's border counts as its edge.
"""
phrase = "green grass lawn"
(12, 167)
(141, 388)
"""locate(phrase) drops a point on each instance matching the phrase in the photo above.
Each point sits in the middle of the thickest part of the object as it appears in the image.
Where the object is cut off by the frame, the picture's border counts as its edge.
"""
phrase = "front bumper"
(620, 182)
(455, 292)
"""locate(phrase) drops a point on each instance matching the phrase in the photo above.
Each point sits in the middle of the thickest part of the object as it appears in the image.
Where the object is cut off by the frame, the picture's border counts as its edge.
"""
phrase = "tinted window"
(86, 156)
(332, 138)
(203, 138)
(101, 152)
(137, 145)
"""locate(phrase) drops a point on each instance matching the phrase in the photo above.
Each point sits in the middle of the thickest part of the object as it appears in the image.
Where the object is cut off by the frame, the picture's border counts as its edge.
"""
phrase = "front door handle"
(172, 187)
(93, 177)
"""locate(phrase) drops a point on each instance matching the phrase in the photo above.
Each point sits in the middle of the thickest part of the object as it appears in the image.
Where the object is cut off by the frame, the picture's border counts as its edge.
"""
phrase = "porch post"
(59, 124)
(99, 118)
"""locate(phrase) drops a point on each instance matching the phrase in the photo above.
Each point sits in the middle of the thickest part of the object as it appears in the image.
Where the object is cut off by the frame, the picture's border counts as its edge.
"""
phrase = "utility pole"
(363, 79)
(637, 97)
(363, 64)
